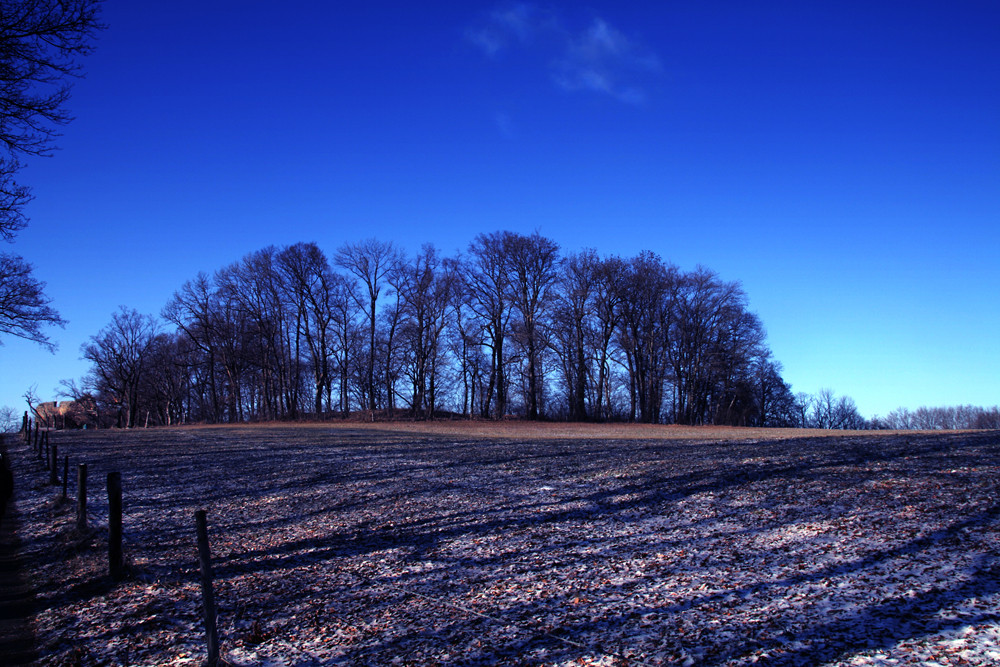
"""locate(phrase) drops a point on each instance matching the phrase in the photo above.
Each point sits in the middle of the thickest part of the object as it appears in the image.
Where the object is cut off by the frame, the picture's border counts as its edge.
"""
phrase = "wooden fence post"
(116, 564)
(208, 596)
(65, 475)
(81, 497)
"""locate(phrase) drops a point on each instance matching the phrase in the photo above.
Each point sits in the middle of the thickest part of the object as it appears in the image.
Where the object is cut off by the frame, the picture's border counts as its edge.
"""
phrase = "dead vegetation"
(458, 543)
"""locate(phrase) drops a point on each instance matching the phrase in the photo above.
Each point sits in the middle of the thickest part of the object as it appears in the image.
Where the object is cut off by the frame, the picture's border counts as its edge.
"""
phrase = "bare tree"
(712, 326)
(608, 313)
(40, 41)
(944, 417)
(574, 327)
(774, 403)
(118, 354)
(632, 339)
(823, 408)
(738, 343)
(345, 343)
(163, 385)
(31, 398)
(466, 342)
(310, 283)
(370, 262)
(236, 343)
(987, 418)
(803, 407)
(847, 414)
(488, 289)
(427, 287)
(83, 407)
(256, 286)
(833, 412)
(646, 294)
(388, 342)
(533, 263)
(10, 421)
(900, 419)
(24, 308)
(193, 309)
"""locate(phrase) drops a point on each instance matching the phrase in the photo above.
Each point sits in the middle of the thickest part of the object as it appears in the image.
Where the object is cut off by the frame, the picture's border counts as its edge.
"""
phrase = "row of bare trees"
(827, 410)
(512, 327)
(940, 418)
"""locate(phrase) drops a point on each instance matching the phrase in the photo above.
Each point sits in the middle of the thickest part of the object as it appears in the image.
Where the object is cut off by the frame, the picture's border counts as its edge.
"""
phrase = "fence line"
(207, 593)
(116, 560)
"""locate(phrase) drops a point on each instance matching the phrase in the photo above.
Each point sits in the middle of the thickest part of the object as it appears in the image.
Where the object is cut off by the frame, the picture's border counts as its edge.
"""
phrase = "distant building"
(66, 414)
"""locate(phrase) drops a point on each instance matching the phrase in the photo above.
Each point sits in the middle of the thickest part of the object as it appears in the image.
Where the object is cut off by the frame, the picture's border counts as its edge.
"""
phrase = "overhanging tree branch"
(40, 42)
(24, 308)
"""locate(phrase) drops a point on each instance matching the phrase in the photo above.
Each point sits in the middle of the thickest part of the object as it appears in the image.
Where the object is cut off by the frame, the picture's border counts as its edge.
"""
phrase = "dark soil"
(443, 544)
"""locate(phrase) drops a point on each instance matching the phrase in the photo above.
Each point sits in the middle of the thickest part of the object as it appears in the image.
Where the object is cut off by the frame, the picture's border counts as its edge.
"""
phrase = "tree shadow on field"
(568, 509)
(780, 639)
(17, 600)
(498, 498)
(785, 638)
(881, 624)
(488, 511)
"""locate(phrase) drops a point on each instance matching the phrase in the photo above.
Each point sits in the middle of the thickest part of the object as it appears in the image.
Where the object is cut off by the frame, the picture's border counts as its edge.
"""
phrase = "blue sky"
(840, 159)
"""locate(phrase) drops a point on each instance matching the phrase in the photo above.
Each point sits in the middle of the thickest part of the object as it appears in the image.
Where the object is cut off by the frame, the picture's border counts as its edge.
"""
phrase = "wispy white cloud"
(602, 59)
(520, 20)
(597, 58)
(512, 26)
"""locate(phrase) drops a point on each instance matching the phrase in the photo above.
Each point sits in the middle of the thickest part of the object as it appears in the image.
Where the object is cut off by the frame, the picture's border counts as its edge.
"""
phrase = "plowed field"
(459, 543)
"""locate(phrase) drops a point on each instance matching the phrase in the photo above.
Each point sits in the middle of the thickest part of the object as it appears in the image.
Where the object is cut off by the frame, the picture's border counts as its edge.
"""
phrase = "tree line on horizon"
(509, 328)
(927, 418)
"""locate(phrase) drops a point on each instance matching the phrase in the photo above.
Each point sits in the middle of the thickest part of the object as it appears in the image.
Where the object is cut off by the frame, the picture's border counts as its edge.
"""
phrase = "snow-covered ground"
(363, 546)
